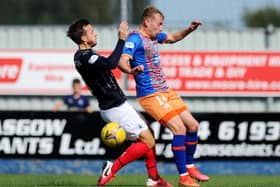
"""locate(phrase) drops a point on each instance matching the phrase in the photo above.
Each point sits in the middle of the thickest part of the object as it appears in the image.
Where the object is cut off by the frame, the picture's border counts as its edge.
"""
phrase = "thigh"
(156, 105)
(189, 121)
(128, 119)
(182, 110)
(147, 138)
(163, 106)
(176, 102)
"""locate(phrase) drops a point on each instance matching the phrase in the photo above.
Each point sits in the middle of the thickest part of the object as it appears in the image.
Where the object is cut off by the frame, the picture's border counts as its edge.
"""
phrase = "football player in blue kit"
(154, 95)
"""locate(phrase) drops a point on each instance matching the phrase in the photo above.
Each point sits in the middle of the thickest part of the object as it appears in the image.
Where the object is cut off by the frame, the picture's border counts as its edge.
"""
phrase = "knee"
(148, 139)
(178, 129)
(193, 127)
(150, 142)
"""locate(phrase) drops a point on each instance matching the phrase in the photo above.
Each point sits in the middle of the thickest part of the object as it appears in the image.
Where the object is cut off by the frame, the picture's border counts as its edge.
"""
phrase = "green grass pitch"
(130, 181)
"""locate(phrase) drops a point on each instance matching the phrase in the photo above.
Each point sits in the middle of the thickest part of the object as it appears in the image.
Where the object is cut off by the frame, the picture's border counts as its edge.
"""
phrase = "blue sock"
(179, 151)
(190, 143)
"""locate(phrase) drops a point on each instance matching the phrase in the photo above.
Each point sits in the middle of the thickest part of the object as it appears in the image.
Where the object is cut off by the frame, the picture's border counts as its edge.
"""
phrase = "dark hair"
(76, 81)
(76, 30)
(150, 11)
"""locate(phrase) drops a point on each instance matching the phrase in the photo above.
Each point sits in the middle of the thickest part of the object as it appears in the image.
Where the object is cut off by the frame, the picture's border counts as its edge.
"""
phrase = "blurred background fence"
(44, 38)
(54, 37)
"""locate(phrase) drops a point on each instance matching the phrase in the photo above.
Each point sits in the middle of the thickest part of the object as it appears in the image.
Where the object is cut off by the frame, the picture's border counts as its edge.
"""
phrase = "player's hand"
(194, 25)
(137, 70)
(123, 30)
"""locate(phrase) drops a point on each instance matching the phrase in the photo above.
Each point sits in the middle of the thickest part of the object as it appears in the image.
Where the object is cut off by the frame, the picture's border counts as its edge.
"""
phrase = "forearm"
(124, 65)
(57, 106)
(113, 59)
(179, 35)
(89, 109)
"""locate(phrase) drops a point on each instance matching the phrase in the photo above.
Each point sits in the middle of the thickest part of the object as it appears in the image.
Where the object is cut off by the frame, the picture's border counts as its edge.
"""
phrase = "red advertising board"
(9, 69)
(39, 72)
(221, 73)
(190, 73)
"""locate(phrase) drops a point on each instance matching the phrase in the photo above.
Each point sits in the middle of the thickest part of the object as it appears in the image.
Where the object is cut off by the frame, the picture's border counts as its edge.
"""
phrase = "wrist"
(190, 29)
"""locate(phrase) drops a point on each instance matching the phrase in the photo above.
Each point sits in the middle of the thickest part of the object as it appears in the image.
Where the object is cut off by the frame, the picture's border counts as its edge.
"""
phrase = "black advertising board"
(239, 136)
(52, 135)
(76, 135)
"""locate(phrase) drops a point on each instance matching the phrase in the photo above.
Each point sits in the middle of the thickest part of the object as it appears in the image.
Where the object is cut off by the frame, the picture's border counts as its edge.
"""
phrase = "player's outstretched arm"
(179, 35)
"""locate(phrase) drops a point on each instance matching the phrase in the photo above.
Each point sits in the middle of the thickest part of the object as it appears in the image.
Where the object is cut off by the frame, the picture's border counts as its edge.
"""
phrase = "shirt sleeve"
(86, 101)
(161, 37)
(132, 43)
(93, 59)
(65, 99)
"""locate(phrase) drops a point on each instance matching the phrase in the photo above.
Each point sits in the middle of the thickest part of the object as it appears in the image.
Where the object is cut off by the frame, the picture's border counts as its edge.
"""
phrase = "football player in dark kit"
(96, 72)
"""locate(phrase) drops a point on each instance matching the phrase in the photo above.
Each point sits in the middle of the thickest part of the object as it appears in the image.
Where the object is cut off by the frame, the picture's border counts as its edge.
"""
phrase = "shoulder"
(88, 55)
(134, 34)
(82, 53)
(134, 37)
(85, 97)
(67, 97)
(133, 40)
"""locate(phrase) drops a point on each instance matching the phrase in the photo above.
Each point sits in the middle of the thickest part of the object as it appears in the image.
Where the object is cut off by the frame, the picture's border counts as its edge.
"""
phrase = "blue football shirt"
(144, 50)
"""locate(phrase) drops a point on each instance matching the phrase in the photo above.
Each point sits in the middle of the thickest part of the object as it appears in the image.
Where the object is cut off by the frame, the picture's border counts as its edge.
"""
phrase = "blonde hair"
(150, 11)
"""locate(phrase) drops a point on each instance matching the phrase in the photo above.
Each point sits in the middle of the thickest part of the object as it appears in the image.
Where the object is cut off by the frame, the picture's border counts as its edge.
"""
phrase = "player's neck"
(76, 95)
(144, 32)
(84, 46)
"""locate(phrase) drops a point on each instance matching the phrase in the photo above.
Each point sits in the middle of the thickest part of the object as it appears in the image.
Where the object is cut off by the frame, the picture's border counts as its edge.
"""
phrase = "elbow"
(172, 41)
(124, 69)
(112, 63)
(113, 67)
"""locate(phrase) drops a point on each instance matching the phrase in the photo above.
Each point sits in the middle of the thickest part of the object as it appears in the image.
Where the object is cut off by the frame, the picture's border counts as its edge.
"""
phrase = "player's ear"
(83, 38)
(146, 21)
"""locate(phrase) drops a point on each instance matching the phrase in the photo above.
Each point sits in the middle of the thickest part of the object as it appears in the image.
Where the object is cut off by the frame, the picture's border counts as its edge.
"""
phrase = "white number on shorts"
(162, 101)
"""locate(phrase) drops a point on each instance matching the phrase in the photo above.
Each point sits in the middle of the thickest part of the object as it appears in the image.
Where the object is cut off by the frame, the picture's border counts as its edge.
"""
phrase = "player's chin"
(93, 44)
(155, 35)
